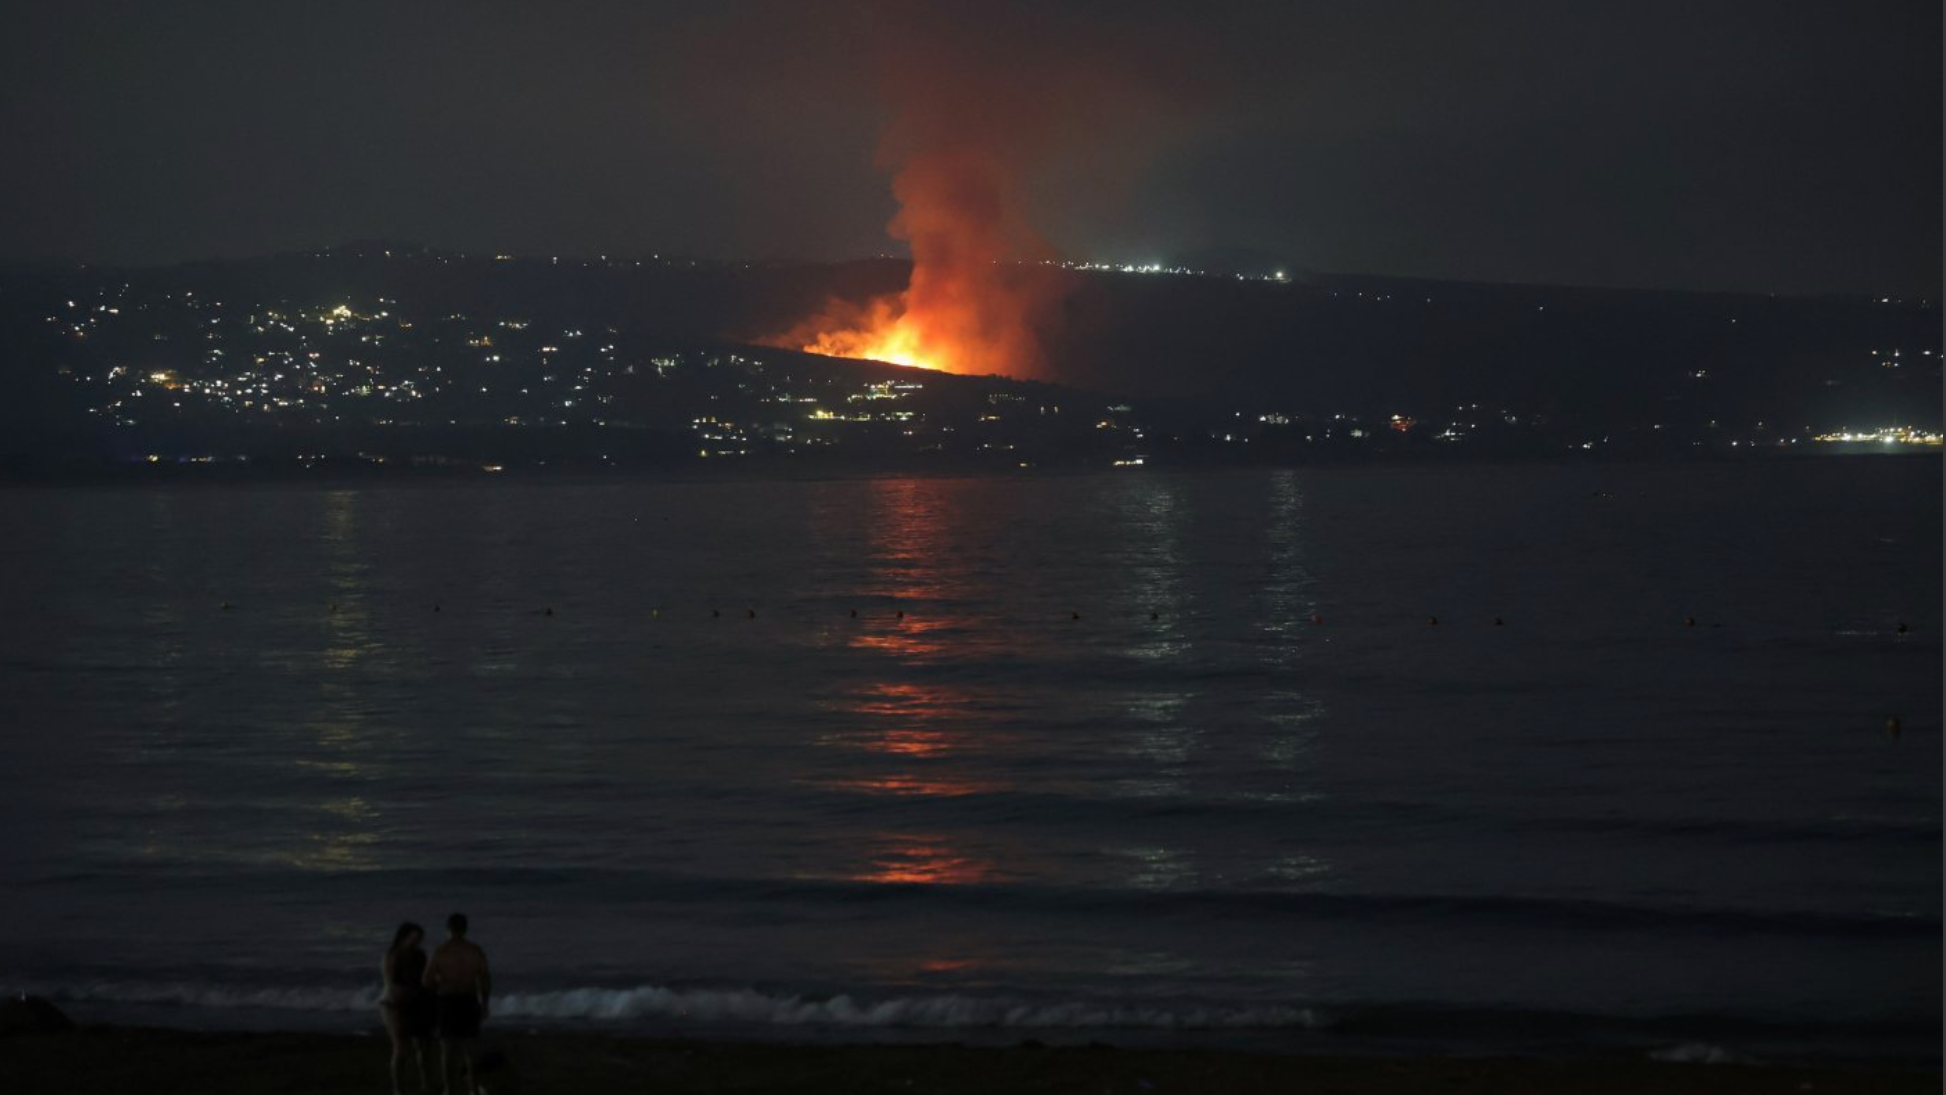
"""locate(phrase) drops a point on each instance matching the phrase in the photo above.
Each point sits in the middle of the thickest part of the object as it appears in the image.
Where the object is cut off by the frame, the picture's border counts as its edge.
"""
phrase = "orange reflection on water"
(914, 859)
(928, 724)
(907, 699)
(912, 637)
(916, 713)
(926, 728)
(902, 784)
(914, 743)
(908, 525)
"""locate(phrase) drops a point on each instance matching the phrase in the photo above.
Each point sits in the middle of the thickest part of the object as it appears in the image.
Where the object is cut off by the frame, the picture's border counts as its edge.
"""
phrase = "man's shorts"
(459, 1015)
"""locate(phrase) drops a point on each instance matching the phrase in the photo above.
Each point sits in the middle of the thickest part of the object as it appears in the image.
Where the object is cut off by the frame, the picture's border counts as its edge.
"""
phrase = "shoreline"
(105, 1059)
(342, 470)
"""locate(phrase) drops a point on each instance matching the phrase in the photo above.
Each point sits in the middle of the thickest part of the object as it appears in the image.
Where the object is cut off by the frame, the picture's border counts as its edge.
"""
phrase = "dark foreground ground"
(138, 1062)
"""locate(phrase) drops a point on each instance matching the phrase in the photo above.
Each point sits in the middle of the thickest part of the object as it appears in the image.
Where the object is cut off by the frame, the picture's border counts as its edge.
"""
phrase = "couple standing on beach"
(444, 996)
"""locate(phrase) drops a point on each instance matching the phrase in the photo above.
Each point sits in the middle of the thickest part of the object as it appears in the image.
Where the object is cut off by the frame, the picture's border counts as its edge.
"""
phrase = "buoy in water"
(1498, 622)
(1076, 615)
(750, 613)
(854, 614)
(902, 614)
(548, 611)
(1892, 725)
(1901, 629)
(1432, 621)
(1689, 621)
(715, 614)
(1155, 616)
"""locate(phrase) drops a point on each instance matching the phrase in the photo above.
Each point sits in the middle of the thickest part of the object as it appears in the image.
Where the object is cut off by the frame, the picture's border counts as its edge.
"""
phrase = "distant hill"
(1195, 350)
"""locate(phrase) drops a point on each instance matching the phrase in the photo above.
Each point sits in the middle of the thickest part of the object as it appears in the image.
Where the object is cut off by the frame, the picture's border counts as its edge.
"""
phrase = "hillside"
(393, 348)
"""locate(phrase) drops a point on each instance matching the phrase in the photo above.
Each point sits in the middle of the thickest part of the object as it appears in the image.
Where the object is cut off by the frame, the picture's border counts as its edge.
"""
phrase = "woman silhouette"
(406, 1006)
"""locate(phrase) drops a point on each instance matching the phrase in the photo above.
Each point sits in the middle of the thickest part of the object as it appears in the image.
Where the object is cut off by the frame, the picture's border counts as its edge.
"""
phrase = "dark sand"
(126, 1061)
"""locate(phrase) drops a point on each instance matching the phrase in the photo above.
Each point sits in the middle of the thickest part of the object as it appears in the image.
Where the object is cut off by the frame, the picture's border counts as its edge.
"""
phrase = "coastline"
(108, 1059)
(342, 471)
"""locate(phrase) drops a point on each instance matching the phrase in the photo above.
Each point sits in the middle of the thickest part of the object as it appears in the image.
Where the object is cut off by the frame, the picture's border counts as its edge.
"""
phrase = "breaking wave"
(733, 1006)
(1701, 1053)
(744, 1005)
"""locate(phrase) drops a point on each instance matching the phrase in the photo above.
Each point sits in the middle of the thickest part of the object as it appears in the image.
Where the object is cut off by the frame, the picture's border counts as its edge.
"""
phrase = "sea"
(1560, 759)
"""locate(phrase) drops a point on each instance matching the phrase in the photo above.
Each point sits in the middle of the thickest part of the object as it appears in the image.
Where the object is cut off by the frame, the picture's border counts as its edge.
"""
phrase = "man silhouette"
(457, 975)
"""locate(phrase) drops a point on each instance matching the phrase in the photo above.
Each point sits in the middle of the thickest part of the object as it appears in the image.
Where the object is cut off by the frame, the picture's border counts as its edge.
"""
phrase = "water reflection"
(347, 842)
(1299, 867)
(347, 617)
(347, 824)
(1150, 522)
(1157, 732)
(910, 553)
(909, 638)
(1290, 594)
(1293, 723)
(909, 539)
(1187, 735)
(1289, 590)
(922, 729)
(922, 859)
(1157, 868)
(902, 718)
(1195, 598)
(901, 783)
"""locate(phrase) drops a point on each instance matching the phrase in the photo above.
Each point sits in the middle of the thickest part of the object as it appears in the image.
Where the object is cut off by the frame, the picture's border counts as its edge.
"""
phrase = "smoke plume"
(982, 110)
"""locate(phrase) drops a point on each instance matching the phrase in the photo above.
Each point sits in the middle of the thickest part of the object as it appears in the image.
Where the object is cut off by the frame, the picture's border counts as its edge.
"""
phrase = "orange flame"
(967, 308)
(883, 333)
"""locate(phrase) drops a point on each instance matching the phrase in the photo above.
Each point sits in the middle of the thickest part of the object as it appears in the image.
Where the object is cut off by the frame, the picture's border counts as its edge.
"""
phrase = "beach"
(136, 1061)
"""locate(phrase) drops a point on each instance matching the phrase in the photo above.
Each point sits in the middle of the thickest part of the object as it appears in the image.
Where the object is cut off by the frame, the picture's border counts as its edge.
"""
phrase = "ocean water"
(1497, 759)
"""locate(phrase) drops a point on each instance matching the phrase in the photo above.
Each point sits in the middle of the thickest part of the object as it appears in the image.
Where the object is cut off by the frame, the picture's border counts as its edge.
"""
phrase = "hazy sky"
(1777, 146)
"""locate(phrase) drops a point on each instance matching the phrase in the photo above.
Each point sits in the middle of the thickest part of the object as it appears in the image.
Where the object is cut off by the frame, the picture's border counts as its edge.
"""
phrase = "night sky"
(1769, 146)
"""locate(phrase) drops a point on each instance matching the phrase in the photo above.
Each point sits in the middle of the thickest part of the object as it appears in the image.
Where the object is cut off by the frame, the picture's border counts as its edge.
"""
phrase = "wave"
(1701, 1053)
(726, 1006)
(203, 994)
(949, 1011)
(744, 1009)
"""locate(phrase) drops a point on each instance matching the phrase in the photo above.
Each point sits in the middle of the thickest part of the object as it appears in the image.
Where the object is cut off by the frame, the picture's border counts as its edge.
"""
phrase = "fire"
(946, 319)
(984, 111)
(969, 306)
(885, 335)
(895, 329)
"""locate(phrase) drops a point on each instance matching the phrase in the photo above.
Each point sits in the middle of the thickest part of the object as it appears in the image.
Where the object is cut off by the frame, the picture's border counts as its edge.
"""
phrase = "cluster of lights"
(1889, 435)
(293, 359)
(1157, 268)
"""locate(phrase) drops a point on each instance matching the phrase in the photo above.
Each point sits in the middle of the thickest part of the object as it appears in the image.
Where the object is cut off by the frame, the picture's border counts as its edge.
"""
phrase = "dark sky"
(1776, 146)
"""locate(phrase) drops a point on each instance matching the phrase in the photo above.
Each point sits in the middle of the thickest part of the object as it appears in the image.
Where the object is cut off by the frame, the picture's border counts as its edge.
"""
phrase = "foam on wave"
(746, 1006)
(1701, 1053)
(206, 995)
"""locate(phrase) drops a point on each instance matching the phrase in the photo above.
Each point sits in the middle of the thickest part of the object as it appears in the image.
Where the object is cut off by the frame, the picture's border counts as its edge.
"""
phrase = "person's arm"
(386, 970)
(485, 981)
(430, 979)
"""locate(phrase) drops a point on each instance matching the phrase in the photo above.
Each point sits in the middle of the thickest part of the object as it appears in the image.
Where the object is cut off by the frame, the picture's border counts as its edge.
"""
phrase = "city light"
(1887, 435)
